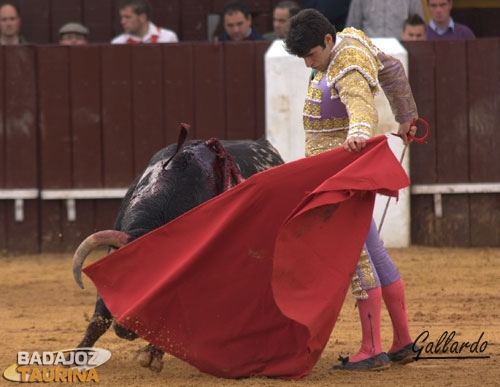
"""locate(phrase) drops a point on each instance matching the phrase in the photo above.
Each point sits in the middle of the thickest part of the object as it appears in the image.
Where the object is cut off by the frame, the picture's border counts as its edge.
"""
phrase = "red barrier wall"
(92, 116)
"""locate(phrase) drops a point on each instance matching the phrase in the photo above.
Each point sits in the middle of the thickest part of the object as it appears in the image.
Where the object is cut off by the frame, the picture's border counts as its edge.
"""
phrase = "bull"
(177, 178)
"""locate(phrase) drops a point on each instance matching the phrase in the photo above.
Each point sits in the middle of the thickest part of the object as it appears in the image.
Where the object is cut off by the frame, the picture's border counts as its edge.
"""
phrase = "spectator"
(282, 12)
(413, 28)
(442, 25)
(73, 34)
(237, 22)
(334, 10)
(382, 18)
(135, 18)
(10, 24)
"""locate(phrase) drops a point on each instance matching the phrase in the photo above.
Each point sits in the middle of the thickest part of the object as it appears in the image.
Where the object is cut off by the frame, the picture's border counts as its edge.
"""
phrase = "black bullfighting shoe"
(375, 363)
(404, 355)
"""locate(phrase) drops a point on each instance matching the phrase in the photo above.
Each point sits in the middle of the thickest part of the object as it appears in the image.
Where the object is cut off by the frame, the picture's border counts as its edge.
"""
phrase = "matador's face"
(319, 57)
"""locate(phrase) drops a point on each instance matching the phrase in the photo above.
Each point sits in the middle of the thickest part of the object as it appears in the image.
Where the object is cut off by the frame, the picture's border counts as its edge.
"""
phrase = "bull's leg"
(99, 324)
(124, 333)
(150, 356)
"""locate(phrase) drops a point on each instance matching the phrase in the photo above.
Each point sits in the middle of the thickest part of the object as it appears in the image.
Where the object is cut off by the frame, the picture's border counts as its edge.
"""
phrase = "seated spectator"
(73, 34)
(10, 24)
(135, 18)
(413, 29)
(382, 18)
(283, 11)
(237, 22)
(442, 25)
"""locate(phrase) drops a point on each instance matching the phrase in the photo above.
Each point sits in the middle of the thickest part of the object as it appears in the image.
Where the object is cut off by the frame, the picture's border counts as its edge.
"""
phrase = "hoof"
(156, 365)
(144, 359)
(150, 357)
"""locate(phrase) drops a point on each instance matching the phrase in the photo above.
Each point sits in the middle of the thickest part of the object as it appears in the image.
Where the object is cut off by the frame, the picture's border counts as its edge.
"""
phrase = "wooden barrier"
(457, 88)
(18, 146)
(89, 118)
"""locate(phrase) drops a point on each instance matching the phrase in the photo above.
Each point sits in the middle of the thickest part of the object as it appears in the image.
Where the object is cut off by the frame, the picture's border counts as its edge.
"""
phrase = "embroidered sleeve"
(357, 95)
(397, 89)
(356, 58)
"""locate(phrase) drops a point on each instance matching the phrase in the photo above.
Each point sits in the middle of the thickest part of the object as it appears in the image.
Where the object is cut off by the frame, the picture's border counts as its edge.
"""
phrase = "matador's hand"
(354, 143)
(407, 131)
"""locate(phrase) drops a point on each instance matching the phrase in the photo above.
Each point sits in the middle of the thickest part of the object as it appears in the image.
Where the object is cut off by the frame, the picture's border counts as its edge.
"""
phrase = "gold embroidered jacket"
(340, 101)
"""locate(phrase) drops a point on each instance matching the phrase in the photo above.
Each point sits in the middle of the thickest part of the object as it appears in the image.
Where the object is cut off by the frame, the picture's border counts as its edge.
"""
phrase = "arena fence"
(455, 199)
(77, 124)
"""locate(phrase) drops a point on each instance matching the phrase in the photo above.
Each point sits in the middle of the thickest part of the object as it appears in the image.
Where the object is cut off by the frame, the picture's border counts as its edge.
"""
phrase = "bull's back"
(249, 155)
(252, 156)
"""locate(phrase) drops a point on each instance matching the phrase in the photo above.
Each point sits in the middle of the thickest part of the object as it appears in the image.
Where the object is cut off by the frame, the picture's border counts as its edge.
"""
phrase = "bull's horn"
(111, 238)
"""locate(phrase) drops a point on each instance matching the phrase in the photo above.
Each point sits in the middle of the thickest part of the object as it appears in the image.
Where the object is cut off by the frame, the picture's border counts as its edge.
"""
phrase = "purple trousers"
(378, 269)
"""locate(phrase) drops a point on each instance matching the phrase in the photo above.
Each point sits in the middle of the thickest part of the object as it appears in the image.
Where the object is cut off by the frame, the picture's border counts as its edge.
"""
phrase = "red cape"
(252, 281)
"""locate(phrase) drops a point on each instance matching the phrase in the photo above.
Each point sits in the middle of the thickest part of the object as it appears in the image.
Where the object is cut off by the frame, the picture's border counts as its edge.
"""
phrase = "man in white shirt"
(135, 19)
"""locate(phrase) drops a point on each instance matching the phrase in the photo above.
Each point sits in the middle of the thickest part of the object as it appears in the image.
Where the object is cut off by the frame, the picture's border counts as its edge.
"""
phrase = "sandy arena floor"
(42, 309)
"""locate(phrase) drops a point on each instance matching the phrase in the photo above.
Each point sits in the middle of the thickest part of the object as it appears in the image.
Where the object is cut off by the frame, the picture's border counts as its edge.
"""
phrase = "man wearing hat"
(73, 34)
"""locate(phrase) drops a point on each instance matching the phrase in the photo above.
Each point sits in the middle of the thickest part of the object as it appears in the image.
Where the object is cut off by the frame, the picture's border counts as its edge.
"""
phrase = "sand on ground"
(447, 289)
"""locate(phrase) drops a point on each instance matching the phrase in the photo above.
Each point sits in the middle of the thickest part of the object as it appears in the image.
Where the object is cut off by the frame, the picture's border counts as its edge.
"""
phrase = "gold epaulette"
(354, 53)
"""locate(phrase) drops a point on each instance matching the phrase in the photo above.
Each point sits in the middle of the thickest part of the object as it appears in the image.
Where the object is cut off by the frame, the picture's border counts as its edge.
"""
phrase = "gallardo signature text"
(446, 345)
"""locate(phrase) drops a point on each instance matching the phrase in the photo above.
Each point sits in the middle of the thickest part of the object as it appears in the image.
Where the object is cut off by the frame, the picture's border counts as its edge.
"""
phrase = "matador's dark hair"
(307, 30)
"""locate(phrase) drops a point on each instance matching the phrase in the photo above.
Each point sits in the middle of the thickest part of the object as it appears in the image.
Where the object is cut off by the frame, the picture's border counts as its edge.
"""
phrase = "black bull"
(177, 178)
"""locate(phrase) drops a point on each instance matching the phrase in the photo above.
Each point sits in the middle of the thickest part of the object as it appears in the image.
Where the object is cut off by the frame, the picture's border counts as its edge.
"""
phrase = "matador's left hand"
(407, 131)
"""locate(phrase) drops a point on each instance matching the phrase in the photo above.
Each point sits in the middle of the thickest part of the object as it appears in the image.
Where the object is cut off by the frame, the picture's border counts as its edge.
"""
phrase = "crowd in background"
(404, 20)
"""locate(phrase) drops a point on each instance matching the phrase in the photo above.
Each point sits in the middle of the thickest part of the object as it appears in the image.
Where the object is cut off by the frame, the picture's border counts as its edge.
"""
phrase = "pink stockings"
(395, 301)
(369, 313)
